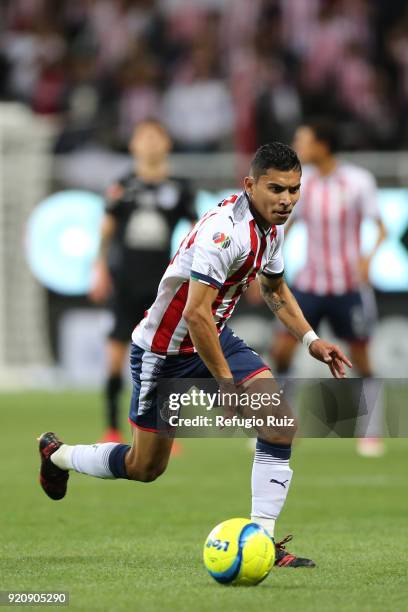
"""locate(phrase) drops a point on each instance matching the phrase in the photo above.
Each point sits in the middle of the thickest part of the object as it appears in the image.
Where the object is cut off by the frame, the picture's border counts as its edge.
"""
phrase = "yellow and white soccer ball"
(239, 551)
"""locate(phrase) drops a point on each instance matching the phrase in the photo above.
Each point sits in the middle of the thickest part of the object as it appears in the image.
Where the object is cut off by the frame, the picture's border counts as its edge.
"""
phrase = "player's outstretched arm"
(283, 304)
(203, 332)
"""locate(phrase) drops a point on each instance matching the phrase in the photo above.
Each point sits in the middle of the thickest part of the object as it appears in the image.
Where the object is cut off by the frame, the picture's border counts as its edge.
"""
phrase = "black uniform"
(145, 215)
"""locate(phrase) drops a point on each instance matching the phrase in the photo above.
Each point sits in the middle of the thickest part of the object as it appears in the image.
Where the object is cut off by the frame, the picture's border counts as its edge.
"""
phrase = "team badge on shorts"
(221, 240)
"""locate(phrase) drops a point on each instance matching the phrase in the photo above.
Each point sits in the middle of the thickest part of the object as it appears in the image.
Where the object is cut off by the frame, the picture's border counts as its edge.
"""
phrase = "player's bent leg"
(144, 461)
(271, 473)
(149, 455)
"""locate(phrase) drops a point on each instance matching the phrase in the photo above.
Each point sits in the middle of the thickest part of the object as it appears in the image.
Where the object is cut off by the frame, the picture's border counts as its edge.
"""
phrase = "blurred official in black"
(142, 210)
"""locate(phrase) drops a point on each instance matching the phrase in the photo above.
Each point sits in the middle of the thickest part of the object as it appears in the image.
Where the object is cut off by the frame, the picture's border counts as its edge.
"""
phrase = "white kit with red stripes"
(225, 249)
(333, 207)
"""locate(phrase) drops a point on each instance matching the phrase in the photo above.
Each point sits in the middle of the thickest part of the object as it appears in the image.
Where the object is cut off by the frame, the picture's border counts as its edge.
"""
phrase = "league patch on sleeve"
(221, 240)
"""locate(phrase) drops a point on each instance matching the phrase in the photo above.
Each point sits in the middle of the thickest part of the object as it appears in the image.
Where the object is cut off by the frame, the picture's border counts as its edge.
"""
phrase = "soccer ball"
(239, 551)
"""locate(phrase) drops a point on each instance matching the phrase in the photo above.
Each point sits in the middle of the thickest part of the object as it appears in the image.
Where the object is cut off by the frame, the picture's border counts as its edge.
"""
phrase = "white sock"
(62, 457)
(85, 458)
(271, 478)
(267, 523)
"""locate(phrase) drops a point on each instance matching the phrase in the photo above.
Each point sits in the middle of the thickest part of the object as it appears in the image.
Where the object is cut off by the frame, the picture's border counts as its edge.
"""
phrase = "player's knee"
(147, 472)
(277, 439)
(150, 474)
(282, 431)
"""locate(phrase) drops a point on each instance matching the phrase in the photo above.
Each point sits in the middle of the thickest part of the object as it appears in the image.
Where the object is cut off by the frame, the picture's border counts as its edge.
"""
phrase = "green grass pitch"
(133, 546)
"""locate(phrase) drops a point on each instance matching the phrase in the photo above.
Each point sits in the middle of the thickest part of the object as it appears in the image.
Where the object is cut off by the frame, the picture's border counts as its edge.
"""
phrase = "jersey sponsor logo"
(221, 240)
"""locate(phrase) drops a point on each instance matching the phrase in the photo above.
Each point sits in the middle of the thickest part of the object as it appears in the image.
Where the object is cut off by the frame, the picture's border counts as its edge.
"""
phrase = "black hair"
(325, 130)
(274, 155)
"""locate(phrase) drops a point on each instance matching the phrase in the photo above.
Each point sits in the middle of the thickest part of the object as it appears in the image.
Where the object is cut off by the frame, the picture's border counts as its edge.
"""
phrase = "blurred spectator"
(46, 95)
(278, 104)
(224, 73)
(360, 93)
(298, 23)
(198, 111)
(397, 46)
(118, 26)
(139, 97)
(325, 50)
(87, 103)
(32, 53)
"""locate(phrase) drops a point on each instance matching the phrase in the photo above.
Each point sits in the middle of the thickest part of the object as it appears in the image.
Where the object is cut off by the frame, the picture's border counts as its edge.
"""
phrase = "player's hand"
(101, 283)
(364, 268)
(331, 355)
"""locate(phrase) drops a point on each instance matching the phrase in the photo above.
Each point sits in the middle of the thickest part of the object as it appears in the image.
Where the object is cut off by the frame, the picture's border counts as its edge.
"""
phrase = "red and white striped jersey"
(225, 249)
(333, 207)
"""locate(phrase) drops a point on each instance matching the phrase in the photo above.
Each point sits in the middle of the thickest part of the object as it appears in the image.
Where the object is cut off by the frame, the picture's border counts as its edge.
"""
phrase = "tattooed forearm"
(282, 303)
(274, 301)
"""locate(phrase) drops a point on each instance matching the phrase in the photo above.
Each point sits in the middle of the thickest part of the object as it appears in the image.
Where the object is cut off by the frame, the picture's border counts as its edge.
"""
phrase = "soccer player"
(142, 210)
(185, 335)
(334, 282)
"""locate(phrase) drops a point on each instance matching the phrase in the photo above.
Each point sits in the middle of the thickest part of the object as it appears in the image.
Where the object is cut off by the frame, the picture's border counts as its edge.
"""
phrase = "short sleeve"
(368, 197)
(275, 265)
(215, 252)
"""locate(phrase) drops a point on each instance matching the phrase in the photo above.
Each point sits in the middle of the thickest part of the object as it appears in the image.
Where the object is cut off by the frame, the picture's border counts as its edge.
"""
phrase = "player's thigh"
(149, 455)
(152, 434)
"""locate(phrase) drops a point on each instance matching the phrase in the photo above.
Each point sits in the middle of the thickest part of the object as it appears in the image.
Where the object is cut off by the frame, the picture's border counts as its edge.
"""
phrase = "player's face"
(150, 142)
(274, 194)
(306, 145)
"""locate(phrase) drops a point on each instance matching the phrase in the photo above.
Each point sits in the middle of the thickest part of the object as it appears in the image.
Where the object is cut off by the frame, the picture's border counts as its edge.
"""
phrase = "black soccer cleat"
(52, 479)
(285, 559)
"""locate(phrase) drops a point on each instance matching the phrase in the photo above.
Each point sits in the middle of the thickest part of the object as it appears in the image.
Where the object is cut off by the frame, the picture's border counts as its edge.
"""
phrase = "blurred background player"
(334, 281)
(142, 210)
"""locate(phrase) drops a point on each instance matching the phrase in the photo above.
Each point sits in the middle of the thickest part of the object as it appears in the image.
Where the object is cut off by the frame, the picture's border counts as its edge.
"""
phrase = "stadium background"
(75, 79)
